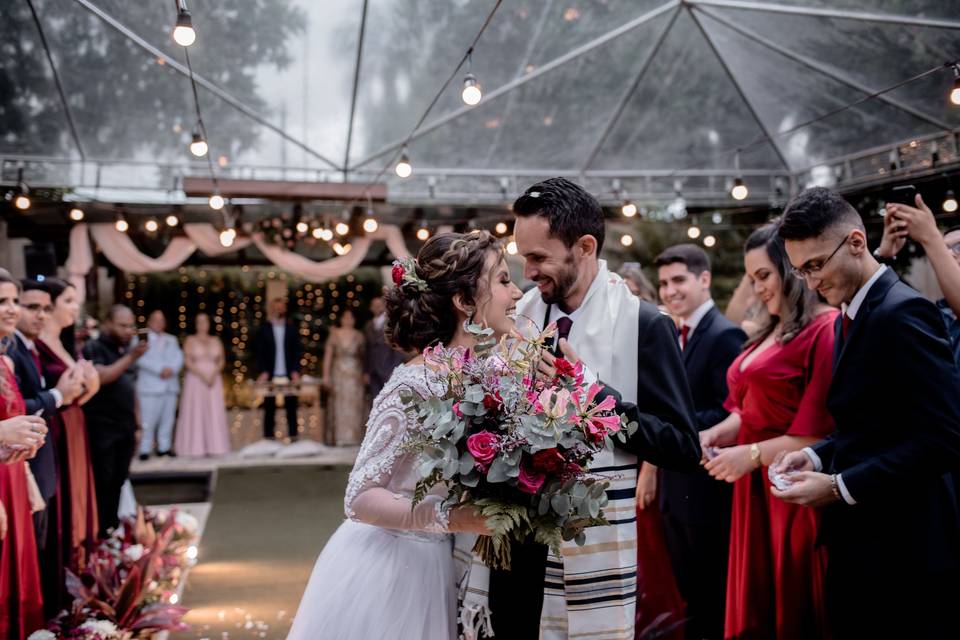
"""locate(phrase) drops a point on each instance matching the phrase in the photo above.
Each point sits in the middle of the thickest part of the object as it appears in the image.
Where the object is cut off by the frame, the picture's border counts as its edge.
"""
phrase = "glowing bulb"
(404, 169)
(183, 33)
(955, 93)
(22, 202)
(501, 228)
(626, 239)
(227, 236)
(693, 232)
(151, 225)
(317, 233)
(121, 225)
(192, 552)
(950, 202)
(217, 202)
(341, 249)
(709, 241)
(423, 234)
(472, 92)
(172, 220)
(76, 214)
(302, 227)
(326, 235)
(512, 248)
(370, 225)
(198, 146)
(342, 228)
(628, 209)
(174, 598)
(739, 190)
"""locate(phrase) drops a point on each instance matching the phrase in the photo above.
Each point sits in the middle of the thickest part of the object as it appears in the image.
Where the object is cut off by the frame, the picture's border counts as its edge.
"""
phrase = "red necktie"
(36, 360)
(845, 325)
(684, 332)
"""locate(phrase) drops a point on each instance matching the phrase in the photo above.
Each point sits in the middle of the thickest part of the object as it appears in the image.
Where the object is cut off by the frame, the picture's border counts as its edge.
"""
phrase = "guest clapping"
(202, 423)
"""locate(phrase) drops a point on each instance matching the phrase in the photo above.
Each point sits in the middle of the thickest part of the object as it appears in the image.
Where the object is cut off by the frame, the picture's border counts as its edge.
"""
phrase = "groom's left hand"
(547, 369)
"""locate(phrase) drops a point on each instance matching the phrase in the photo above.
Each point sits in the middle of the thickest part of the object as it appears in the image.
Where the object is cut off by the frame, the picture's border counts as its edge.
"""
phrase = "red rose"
(492, 402)
(530, 480)
(397, 274)
(548, 461)
(564, 368)
(483, 446)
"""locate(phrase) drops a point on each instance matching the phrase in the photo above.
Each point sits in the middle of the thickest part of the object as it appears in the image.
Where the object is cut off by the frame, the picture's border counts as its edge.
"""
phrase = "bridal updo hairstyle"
(449, 263)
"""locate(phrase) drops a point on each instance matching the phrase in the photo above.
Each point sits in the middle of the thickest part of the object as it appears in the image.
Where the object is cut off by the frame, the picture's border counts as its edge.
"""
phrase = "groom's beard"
(562, 283)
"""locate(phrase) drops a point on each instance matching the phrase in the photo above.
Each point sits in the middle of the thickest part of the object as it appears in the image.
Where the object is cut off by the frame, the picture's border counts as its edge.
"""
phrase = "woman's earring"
(467, 323)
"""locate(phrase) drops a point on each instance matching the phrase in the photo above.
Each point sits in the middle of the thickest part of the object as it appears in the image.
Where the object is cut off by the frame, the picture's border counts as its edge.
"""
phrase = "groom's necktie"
(845, 325)
(684, 334)
(564, 324)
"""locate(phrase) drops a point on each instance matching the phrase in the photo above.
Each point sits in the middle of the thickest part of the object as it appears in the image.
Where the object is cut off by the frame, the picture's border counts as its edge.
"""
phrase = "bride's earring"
(467, 323)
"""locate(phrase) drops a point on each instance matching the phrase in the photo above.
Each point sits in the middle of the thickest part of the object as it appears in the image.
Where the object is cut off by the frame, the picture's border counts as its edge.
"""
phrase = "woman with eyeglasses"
(777, 402)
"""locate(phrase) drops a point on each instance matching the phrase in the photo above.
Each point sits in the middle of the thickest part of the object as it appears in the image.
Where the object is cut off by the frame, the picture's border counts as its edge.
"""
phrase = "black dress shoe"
(144, 456)
(170, 454)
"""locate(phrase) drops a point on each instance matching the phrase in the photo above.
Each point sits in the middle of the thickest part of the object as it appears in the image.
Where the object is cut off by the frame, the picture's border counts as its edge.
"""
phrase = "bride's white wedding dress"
(388, 571)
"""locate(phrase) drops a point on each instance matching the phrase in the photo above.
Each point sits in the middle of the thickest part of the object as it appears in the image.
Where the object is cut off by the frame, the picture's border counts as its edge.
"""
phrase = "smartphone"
(142, 334)
(903, 194)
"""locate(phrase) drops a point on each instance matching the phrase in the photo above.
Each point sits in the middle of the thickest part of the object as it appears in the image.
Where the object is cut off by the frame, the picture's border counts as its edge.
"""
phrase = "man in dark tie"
(696, 508)
(890, 515)
(278, 352)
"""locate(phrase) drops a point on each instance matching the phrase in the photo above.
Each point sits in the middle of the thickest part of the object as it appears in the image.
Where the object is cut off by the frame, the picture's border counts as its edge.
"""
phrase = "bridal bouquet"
(511, 445)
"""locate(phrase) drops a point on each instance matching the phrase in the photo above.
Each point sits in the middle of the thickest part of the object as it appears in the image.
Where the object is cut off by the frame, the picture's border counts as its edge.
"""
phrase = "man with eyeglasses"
(890, 519)
(943, 253)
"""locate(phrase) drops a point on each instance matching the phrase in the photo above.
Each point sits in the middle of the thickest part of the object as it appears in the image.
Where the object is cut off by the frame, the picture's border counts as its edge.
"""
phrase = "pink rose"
(530, 479)
(456, 410)
(483, 446)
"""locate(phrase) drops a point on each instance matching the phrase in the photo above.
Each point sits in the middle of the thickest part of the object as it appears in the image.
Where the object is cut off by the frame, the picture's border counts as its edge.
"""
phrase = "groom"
(630, 346)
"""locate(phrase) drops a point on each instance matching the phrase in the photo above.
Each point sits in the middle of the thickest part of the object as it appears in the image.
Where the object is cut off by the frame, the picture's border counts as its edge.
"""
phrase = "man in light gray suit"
(158, 387)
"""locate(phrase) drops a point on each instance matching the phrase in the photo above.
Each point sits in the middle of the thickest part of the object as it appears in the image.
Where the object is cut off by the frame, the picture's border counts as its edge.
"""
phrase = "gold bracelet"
(755, 454)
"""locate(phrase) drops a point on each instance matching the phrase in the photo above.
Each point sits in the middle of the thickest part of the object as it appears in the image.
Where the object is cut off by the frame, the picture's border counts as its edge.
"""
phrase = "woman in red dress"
(78, 502)
(778, 388)
(21, 603)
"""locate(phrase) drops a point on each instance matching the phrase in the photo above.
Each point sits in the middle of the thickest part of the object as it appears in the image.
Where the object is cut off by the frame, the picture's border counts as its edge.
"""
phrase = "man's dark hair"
(570, 209)
(29, 284)
(695, 258)
(814, 211)
(115, 309)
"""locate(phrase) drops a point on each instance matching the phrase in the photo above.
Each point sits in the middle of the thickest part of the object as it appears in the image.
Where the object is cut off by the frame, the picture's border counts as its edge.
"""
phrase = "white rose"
(189, 523)
(42, 634)
(102, 628)
(133, 553)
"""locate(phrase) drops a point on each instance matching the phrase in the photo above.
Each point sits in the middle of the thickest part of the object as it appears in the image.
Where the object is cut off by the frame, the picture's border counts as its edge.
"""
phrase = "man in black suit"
(278, 352)
(379, 358)
(890, 516)
(696, 508)
(35, 307)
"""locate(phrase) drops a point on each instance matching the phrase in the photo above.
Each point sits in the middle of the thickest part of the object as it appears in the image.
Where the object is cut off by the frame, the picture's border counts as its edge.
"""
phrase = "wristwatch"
(888, 260)
(755, 454)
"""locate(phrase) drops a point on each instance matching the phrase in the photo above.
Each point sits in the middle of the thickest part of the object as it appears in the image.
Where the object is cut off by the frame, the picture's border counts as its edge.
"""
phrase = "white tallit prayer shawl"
(591, 591)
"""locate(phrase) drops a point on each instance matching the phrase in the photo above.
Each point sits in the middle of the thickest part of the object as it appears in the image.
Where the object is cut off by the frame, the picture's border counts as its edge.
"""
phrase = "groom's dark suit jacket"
(36, 396)
(667, 437)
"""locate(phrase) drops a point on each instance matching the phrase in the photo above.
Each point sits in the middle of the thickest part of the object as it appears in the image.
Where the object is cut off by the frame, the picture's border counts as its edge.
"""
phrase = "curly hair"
(450, 264)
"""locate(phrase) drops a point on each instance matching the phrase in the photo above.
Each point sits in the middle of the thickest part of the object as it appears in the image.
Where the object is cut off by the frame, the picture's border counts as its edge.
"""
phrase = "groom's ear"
(587, 245)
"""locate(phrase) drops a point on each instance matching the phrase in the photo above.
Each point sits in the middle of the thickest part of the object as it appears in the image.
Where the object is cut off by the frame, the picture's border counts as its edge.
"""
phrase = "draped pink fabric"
(80, 260)
(123, 253)
(207, 239)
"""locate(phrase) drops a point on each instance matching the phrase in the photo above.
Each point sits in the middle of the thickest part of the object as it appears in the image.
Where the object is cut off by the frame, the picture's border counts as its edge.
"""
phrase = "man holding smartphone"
(158, 385)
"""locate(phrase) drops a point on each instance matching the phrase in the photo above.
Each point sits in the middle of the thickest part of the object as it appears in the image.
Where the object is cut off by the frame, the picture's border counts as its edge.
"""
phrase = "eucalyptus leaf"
(499, 470)
(581, 539)
(560, 503)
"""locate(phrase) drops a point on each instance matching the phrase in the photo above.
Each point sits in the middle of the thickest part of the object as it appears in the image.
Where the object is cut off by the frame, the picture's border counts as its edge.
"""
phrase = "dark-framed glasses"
(814, 269)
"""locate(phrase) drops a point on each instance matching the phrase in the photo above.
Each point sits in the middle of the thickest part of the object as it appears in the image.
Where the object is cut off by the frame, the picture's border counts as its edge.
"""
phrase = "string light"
(183, 33)
(198, 146)
(693, 232)
(302, 227)
(512, 247)
(949, 201)
(151, 225)
(317, 233)
(501, 228)
(76, 214)
(121, 224)
(709, 241)
(739, 190)
(341, 249)
(628, 209)
(228, 236)
(423, 234)
(326, 235)
(22, 199)
(342, 228)
(172, 220)
(404, 169)
(472, 92)
(626, 239)
(955, 93)
(217, 202)
(370, 224)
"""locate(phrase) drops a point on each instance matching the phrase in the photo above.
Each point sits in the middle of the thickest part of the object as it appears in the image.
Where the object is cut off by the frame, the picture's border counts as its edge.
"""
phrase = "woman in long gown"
(78, 498)
(343, 378)
(388, 571)
(778, 390)
(21, 603)
(202, 423)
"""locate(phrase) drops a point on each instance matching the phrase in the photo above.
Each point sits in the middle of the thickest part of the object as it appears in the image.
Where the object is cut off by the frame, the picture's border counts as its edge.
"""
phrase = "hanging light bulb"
(404, 169)
(326, 235)
(342, 228)
(739, 190)
(341, 249)
(693, 232)
(949, 201)
(423, 234)
(717, 217)
(76, 214)
(227, 236)
(317, 233)
(151, 225)
(217, 202)
(302, 227)
(172, 220)
(709, 241)
(501, 228)
(22, 199)
(121, 224)
(628, 209)
(512, 247)
(370, 224)
(626, 239)
(955, 92)
(472, 91)
(198, 146)
(183, 33)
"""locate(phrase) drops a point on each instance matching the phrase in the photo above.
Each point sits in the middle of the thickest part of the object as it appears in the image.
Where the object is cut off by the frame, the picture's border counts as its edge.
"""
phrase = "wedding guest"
(777, 402)
(638, 282)
(379, 358)
(158, 387)
(89, 329)
(278, 352)
(202, 423)
(78, 500)
(111, 414)
(343, 378)
(890, 518)
(21, 600)
(696, 509)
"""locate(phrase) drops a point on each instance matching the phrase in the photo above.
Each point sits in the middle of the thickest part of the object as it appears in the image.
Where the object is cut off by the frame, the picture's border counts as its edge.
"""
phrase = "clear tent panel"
(913, 8)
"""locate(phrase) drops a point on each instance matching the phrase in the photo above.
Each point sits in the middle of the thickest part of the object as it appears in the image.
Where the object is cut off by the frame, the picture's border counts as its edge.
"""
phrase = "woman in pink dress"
(202, 425)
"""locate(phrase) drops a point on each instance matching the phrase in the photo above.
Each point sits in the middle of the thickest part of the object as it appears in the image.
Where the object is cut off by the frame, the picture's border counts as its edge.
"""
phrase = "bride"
(388, 571)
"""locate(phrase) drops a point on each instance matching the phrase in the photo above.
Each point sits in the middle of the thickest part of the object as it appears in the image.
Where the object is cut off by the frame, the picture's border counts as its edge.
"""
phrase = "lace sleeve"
(367, 498)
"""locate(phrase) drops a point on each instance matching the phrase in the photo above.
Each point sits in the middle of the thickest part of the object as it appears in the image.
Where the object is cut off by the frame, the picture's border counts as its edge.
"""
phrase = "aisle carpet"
(266, 527)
